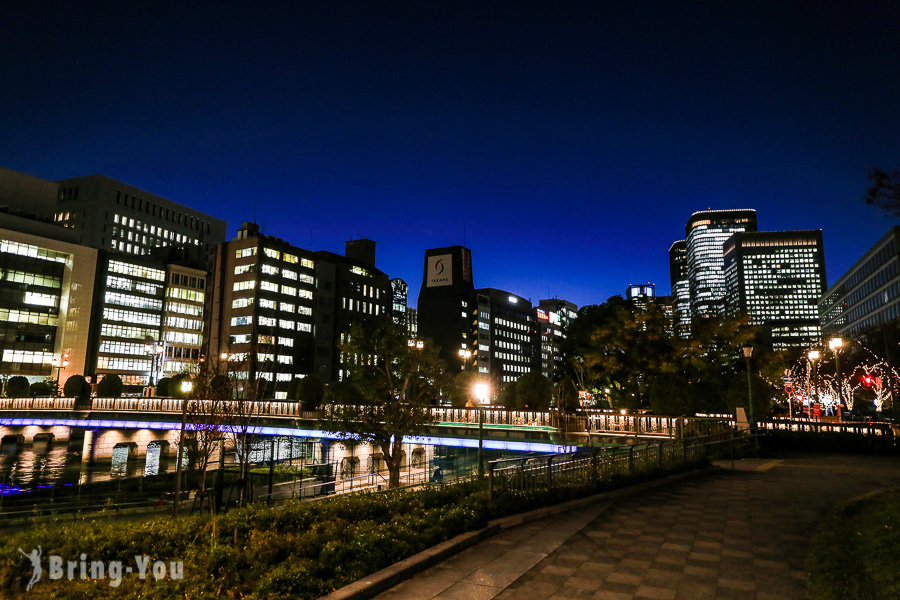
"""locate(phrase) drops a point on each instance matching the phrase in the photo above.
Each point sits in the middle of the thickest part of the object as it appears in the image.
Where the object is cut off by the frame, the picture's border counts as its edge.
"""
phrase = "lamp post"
(835, 344)
(186, 387)
(465, 355)
(60, 363)
(748, 352)
(813, 356)
(482, 390)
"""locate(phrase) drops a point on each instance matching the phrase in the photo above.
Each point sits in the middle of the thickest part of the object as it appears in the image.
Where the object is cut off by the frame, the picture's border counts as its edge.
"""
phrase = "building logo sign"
(440, 271)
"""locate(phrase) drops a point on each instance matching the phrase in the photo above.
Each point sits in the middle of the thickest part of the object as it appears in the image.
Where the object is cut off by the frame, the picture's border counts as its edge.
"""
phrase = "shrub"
(162, 386)
(17, 387)
(40, 389)
(77, 387)
(110, 386)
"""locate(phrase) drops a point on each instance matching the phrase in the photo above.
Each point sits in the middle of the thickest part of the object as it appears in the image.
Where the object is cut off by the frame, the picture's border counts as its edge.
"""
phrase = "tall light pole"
(748, 352)
(482, 391)
(60, 363)
(813, 356)
(186, 387)
(465, 355)
(835, 344)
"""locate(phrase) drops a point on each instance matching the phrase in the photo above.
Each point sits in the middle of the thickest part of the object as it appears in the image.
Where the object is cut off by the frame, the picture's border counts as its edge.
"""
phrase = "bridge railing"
(492, 416)
(805, 425)
(37, 403)
(594, 467)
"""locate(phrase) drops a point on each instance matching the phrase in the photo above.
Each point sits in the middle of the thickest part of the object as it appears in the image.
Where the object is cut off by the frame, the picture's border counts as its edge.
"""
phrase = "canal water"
(28, 468)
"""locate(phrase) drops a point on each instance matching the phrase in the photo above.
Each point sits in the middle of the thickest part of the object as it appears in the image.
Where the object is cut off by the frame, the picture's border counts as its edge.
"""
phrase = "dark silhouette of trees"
(884, 191)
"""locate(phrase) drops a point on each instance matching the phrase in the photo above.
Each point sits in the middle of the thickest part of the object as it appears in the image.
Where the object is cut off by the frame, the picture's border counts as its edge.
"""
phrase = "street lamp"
(482, 391)
(60, 363)
(813, 356)
(465, 355)
(154, 351)
(186, 387)
(835, 344)
(748, 352)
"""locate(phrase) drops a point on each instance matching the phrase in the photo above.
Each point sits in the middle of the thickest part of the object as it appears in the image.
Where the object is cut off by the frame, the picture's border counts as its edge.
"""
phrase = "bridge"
(102, 424)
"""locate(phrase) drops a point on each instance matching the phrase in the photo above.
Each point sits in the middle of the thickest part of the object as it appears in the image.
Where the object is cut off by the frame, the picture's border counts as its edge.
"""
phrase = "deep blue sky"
(570, 142)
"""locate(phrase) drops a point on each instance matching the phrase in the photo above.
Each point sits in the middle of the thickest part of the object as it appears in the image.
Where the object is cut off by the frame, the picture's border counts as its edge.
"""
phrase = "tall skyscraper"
(776, 278)
(681, 289)
(705, 233)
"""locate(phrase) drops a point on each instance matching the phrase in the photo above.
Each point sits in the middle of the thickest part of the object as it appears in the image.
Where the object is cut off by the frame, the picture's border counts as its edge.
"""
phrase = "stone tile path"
(735, 534)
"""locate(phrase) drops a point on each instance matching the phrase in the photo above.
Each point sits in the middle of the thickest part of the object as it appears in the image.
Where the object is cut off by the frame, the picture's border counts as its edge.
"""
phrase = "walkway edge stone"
(385, 579)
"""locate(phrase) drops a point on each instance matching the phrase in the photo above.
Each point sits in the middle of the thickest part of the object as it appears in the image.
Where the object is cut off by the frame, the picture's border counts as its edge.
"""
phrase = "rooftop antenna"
(464, 234)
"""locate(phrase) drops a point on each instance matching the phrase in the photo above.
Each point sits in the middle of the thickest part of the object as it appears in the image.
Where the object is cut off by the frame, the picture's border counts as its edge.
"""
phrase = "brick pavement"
(740, 534)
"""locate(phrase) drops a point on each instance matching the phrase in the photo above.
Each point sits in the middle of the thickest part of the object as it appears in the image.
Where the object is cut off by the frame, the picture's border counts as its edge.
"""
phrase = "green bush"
(40, 389)
(17, 387)
(110, 386)
(77, 387)
(162, 387)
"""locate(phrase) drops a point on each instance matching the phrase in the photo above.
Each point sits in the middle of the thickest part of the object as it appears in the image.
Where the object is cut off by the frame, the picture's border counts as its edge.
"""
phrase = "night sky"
(566, 144)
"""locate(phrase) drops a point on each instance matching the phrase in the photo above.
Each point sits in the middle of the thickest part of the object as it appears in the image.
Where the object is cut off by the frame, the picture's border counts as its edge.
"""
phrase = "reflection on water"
(23, 469)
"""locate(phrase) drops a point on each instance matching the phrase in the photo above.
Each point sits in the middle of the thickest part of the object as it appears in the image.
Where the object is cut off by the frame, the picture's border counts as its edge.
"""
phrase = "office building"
(705, 234)
(641, 295)
(111, 215)
(864, 303)
(279, 311)
(447, 314)
(680, 289)
(350, 290)
(148, 320)
(261, 308)
(46, 284)
(507, 340)
(552, 319)
(776, 278)
(46, 294)
(399, 295)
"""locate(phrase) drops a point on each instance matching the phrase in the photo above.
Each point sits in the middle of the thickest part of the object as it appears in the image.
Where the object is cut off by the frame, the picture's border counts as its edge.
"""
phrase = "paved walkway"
(740, 534)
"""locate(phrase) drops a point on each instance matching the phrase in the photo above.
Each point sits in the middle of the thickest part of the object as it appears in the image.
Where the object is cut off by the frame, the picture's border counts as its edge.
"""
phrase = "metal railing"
(594, 467)
(805, 425)
(37, 403)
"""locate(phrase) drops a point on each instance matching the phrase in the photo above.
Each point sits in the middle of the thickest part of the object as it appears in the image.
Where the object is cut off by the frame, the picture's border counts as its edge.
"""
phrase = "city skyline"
(565, 147)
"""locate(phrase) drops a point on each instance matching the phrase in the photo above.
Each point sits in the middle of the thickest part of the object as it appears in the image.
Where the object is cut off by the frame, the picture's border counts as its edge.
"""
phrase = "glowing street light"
(482, 392)
(748, 352)
(813, 356)
(186, 386)
(835, 344)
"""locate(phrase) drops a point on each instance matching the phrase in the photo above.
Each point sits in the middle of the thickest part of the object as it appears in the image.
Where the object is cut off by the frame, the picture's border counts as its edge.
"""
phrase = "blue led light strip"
(510, 445)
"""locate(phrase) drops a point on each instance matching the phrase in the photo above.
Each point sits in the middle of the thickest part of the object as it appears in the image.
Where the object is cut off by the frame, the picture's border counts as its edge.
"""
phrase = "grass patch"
(857, 551)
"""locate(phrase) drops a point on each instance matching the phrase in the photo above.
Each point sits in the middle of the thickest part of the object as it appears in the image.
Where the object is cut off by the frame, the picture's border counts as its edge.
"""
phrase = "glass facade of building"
(681, 288)
(776, 279)
(866, 299)
(705, 233)
(46, 289)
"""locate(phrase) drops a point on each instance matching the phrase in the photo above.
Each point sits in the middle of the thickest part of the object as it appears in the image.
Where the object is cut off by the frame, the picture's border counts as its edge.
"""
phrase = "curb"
(385, 579)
